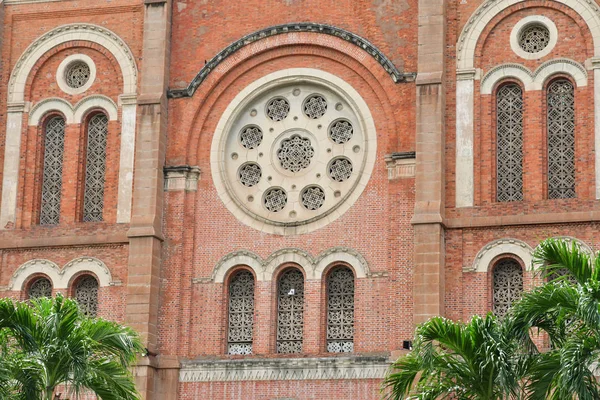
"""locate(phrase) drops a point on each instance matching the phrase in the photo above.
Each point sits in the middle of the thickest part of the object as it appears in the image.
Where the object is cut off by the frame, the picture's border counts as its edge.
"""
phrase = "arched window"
(241, 313)
(95, 167)
(86, 294)
(509, 139)
(508, 285)
(340, 311)
(41, 287)
(290, 312)
(561, 140)
(54, 143)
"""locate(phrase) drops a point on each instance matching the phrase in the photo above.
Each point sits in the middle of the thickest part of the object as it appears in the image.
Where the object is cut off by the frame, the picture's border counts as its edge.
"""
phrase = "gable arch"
(67, 33)
(467, 41)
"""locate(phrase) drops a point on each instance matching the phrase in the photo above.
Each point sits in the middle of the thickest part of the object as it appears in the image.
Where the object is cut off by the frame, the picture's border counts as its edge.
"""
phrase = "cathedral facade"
(274, 193)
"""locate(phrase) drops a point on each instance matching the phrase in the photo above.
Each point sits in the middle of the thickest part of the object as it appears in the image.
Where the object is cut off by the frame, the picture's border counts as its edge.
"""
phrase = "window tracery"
(54, 142)
(41, 287)
(508, 285)
(561, 140)
(86, 294)
(241, 313)
(93, 200)
(77, 74)
(534, 38)
(340, 311)
(509, 103)
(290, 312)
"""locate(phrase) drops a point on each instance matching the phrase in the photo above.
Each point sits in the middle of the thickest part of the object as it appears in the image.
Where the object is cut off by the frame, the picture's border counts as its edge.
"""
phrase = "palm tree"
(567, 308)
(49, 343)
(472, 360)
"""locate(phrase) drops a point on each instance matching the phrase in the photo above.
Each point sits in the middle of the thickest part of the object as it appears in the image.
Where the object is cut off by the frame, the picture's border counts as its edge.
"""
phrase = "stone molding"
(284, 369)
(349, 37)
(401, 165)
(265, 269)
(527, 22)
(467, 41)
(61, 277)
(68, 61)
(181, 177)
(490, 251)
(534, 80)
(73, 114)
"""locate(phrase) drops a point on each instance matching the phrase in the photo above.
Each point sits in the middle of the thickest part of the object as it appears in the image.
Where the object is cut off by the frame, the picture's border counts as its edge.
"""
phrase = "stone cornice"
(285, 369)
(396, 75)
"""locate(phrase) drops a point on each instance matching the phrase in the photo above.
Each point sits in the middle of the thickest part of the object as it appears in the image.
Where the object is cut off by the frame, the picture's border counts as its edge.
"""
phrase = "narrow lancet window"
(241, 313)
(54, 143)
(290, 312)
(95, 168)
(86, 294)
(508, 285)
(340, 311)
(509, 138)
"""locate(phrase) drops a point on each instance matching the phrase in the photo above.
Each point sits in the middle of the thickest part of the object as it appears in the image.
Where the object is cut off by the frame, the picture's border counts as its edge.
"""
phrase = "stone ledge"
(357, 367)
(401, 165)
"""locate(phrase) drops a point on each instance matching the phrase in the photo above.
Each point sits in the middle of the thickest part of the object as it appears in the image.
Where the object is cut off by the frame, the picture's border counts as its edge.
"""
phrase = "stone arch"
(87, 264)
(472, 30)
(484, 259)
(67, 33)
(561, 65)
(495, 75)
(303, 260)
(238, 258)
(33, 267)
(73, 114)
(341, 254)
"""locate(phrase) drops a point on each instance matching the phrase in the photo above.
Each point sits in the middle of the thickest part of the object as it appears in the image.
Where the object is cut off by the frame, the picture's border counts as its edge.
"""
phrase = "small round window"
(77, 74)
(534, 38)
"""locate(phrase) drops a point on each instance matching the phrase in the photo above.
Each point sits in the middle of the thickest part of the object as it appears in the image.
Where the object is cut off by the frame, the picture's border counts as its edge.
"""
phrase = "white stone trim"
(126, 160)
(287, 369)
(182, 178)
(60, 277)
(537, 79)
(312, 266)
(527, 22)
(467, 42)
(484, 257)
(464, 143)
(67, 62)
(309, 75)
(67, 33)
(73, 114)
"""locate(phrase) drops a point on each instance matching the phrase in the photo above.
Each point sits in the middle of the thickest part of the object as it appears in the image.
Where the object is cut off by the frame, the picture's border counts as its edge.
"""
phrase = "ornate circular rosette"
(292, 151)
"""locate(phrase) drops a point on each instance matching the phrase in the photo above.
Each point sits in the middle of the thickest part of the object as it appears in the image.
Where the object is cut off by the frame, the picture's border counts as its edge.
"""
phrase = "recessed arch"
(238, 258)
(35, 267)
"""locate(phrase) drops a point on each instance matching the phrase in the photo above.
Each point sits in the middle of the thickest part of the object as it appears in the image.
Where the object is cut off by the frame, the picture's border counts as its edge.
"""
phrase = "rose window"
(534, 38)
(77, 74)
(292, 154)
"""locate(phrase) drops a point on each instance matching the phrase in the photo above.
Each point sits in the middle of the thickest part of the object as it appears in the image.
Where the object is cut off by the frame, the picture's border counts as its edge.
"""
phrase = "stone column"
(429, 176)
(145, 234)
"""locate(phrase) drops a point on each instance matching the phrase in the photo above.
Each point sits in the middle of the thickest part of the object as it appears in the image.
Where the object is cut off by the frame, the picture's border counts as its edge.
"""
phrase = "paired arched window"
(86, 294)
(340, 311)
(507, 285)
(95, 168)
(560, 121)
(54, 144)
(40, 287)
(509, 142)
(290, 311)
(241, 313)
(561, 139)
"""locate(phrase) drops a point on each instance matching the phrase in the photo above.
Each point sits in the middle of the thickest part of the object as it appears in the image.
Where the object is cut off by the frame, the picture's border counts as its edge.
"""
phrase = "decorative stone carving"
(182, 177)
(493, 249)
(401, 165)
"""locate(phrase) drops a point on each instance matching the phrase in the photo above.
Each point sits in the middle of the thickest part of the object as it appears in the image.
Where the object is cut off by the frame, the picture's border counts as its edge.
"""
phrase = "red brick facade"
(420, 239)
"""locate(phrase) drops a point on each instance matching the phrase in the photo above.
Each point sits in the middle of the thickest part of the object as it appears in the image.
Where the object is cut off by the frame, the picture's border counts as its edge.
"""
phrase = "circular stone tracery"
(77, 74)
(298, 145)
(534, 38)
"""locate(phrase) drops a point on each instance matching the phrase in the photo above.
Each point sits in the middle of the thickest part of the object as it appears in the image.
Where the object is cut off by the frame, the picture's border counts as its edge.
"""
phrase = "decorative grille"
(295, 153)
(278, 109)
(341, 131)
(93, 200)
(340, 311)
(315, 107)
(54, 143)
(275, 199)
(508, 285)
(510, 143)
(290, 312)
(241, 313)
(313, 197)
(250, 174)
(86, 294)
(534, 38)
(563, 272)
(77, 74)
(561, 140)
(42, 287)
(251, 137)
(340, 169)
